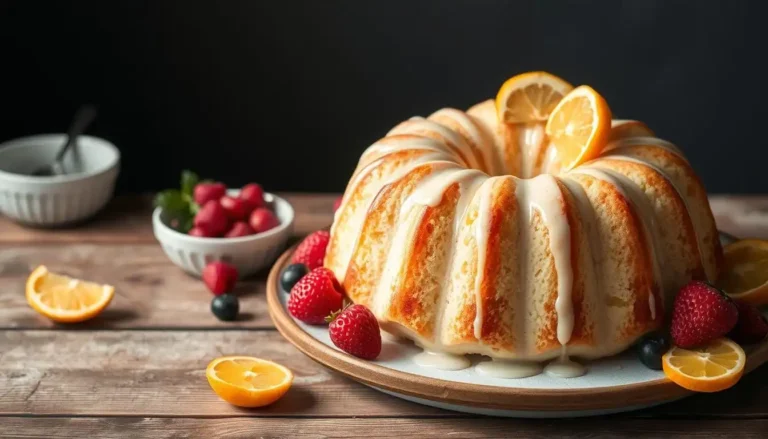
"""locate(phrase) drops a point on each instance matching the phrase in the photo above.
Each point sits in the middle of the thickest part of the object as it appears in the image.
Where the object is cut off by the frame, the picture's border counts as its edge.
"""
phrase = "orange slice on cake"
(248, 381)
(711, 368)
(579, 126)
(530, 97)
(625, 129)
(745, 271)
(64, 299)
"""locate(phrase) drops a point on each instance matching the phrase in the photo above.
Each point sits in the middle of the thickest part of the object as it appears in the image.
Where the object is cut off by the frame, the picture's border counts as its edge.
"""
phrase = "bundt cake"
(465, 234)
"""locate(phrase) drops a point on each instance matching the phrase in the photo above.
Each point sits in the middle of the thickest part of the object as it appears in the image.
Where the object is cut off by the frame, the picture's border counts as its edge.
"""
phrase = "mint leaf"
(188, 182)
(171, 201)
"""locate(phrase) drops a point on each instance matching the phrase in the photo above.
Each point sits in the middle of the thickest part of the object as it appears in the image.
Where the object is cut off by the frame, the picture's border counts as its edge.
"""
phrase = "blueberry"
(292, 274)
(225, 307)
(651, 348)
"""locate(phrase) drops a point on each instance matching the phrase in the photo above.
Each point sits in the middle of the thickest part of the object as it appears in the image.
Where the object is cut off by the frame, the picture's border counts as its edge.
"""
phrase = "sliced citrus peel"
(64, 299)
(745, 271)
(711, 368)
(248, 381)
(579, 126)
(530, 97)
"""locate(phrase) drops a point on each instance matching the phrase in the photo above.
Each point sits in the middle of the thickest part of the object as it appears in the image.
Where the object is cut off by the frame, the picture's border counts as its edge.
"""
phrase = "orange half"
(745, 271)
(248, 381)
(579, 126)
(530, 97)
(64, 299)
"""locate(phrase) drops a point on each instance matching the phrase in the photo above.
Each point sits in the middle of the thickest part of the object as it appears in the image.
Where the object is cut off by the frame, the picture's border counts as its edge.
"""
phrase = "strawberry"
(212, 218)
(262, 219)
(752, 326)
(311, 251)
(237, 209)
(315, 296)
(355, 331)
(337, 204)
(253, 195)
(239, 229)
(220, 277)
(205, 192)
(701, 313)
(200, 233)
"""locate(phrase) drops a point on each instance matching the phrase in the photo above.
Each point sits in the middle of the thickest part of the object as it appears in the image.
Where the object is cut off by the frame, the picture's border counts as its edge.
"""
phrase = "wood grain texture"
(150, 292)
(128, 220)
(161, 373)
(237, 428)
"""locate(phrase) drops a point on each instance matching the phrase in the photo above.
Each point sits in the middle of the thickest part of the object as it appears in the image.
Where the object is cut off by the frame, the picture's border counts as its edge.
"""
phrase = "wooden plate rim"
(475, 395)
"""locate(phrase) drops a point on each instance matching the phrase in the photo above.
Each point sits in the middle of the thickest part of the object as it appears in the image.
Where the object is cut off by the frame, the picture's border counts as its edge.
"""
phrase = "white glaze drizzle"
(482, 228)
(456, 142)
(442, 361)
(530, 141)
(508, 369)
(544, 195)
(699, 243)
(478, 138)
(647, 218)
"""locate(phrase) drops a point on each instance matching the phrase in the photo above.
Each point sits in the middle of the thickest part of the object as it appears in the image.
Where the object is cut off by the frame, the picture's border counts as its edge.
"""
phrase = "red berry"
(238, 229)
(262, 219)
(205, 192)
(212, 218)
(197, 231)
(311, 251)
(752, 326)
(314, 297)
(237, 209)
(337, 204)
(701, 313)
(220, 277)
(253, 195)
(356, 331)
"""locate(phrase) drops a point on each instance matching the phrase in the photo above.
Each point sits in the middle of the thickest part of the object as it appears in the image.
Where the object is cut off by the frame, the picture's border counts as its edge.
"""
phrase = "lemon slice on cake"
(530, 97)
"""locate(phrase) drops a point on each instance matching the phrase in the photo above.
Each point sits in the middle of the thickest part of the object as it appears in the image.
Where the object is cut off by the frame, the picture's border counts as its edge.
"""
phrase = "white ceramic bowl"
(62, 199)
(248, 253)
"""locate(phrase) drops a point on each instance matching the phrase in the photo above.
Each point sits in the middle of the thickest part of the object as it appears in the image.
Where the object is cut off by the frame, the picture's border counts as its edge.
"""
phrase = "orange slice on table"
(530, 97)
(711, 368)
(66, 300)
(248, 381)
(745, 271)
(579, 126)
(625, 129)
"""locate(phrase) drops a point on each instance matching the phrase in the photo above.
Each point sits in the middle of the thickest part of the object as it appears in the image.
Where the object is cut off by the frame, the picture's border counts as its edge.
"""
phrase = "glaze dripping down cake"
(466, 234)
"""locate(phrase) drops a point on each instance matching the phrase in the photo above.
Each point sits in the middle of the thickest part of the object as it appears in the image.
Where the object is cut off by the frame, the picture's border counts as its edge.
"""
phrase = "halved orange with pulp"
(579, 126)
(64, 299)
(248, 381)
(530, 97)
(745, 271)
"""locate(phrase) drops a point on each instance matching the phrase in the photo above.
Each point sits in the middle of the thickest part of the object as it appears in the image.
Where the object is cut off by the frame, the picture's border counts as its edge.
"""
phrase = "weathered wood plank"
(150, 291)
(161, 373)
(128, 220)
(234, 428)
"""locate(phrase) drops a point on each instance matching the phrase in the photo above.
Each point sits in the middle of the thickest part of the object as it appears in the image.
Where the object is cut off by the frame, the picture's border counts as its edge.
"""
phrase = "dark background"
(288, 93)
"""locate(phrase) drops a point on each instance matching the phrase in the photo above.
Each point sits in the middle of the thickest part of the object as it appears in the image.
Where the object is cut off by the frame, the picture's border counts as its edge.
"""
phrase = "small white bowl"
(61, 199)
(248, 253)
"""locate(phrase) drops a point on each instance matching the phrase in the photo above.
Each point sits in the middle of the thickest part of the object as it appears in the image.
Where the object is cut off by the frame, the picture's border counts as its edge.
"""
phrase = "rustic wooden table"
(137, 370)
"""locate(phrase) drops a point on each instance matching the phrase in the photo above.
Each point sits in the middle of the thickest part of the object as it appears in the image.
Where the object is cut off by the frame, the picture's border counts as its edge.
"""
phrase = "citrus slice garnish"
(530, 97)
(579, 126)
(745, 271)
(248, 381)
(625, 129)
(711, 368)
(64, 299)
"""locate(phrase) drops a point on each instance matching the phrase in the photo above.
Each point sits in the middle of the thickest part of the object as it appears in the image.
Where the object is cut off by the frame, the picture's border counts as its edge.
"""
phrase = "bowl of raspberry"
(205, 221)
